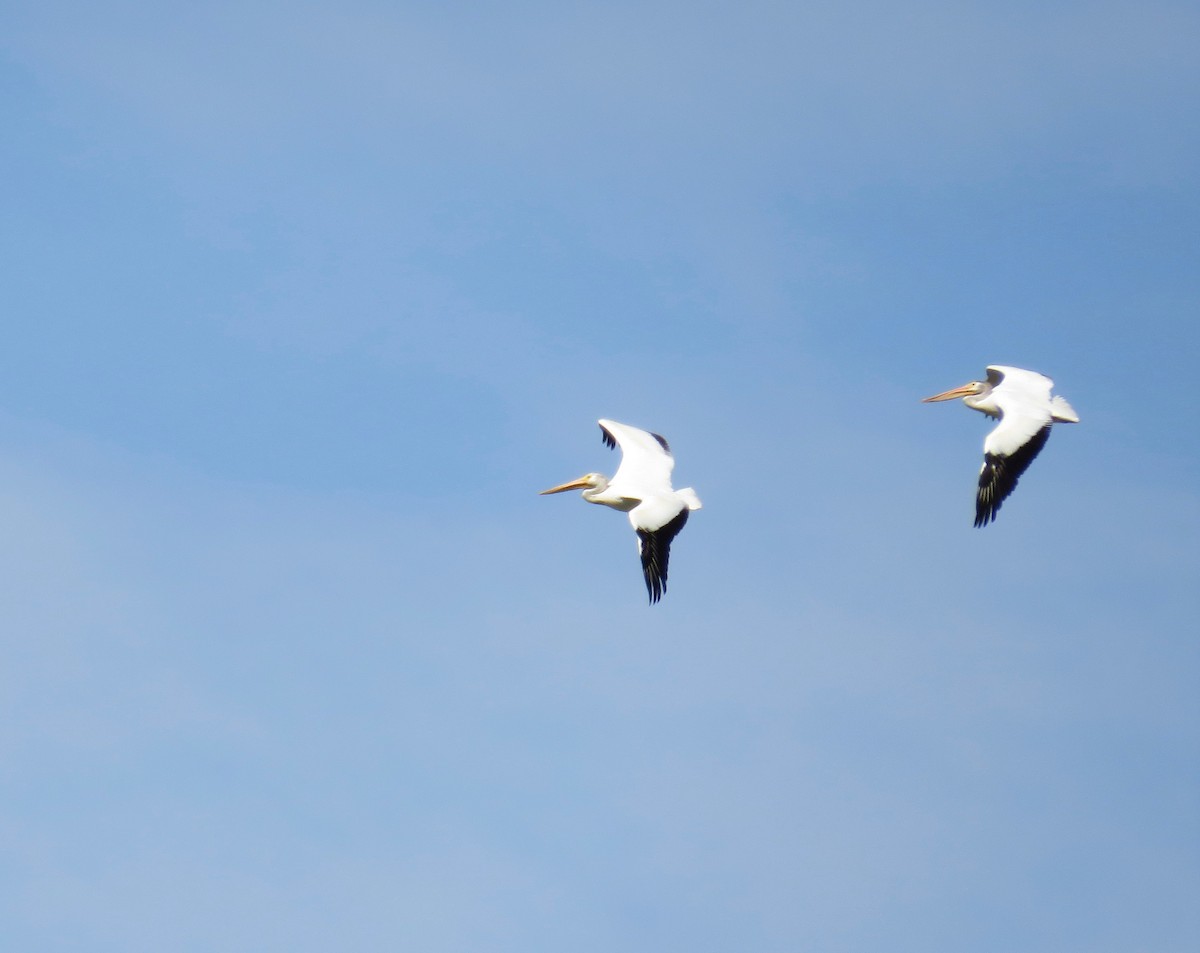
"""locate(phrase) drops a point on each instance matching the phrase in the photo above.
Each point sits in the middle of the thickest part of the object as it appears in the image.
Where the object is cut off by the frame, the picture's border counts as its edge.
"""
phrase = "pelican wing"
(646, 460)
(1018, 384)
(657, 521)
(999, 475)
(1025, 419)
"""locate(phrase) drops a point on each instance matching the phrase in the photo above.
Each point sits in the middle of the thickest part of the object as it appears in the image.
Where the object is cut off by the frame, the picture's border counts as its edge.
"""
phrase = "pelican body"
(642, 488)
(1022, 402)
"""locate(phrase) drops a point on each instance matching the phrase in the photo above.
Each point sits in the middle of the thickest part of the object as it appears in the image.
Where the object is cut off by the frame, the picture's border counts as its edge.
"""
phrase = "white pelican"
(641, 487)
(1021, 400)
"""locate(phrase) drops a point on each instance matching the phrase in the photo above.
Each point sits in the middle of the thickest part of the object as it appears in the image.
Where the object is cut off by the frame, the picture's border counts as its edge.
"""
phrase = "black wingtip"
(656, 554)
(609, 440)
(1000, 475)
(994, 485)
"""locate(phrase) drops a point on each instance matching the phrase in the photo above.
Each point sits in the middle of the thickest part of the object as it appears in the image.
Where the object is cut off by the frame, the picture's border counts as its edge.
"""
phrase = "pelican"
(641, 487)
(1021, 400)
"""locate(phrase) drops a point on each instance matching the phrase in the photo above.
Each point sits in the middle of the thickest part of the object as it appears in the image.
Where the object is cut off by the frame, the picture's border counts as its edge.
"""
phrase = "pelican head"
(589, 481)
(973, 389)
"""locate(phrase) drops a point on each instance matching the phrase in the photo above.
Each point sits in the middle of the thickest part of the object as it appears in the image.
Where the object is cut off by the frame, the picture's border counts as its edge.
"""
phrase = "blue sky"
(305, 303)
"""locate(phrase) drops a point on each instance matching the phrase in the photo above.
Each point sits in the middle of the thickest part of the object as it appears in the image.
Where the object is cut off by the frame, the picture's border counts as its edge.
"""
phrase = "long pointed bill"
(965, 391)
(580, 484)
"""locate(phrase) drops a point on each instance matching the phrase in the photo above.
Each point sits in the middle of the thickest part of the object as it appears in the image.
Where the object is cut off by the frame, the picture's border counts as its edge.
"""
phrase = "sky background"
(303, 303)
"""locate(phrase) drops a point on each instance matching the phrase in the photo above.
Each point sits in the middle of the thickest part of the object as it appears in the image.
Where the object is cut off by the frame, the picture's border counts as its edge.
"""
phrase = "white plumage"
(641, 487)
(1022, 402)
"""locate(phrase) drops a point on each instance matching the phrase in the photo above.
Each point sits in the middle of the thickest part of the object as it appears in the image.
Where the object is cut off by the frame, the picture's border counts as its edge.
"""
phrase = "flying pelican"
(1022, 402)
(641, 487)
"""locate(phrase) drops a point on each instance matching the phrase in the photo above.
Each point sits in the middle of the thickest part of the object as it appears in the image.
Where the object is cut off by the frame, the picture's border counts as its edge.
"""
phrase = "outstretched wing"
(646, 461)
(654, 544)
(1025, 418)
(645, 475)
(1000, 473)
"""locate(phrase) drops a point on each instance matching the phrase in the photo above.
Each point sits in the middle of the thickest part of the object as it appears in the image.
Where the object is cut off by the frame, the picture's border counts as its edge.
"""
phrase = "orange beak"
(965, 391)
(580, 484)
